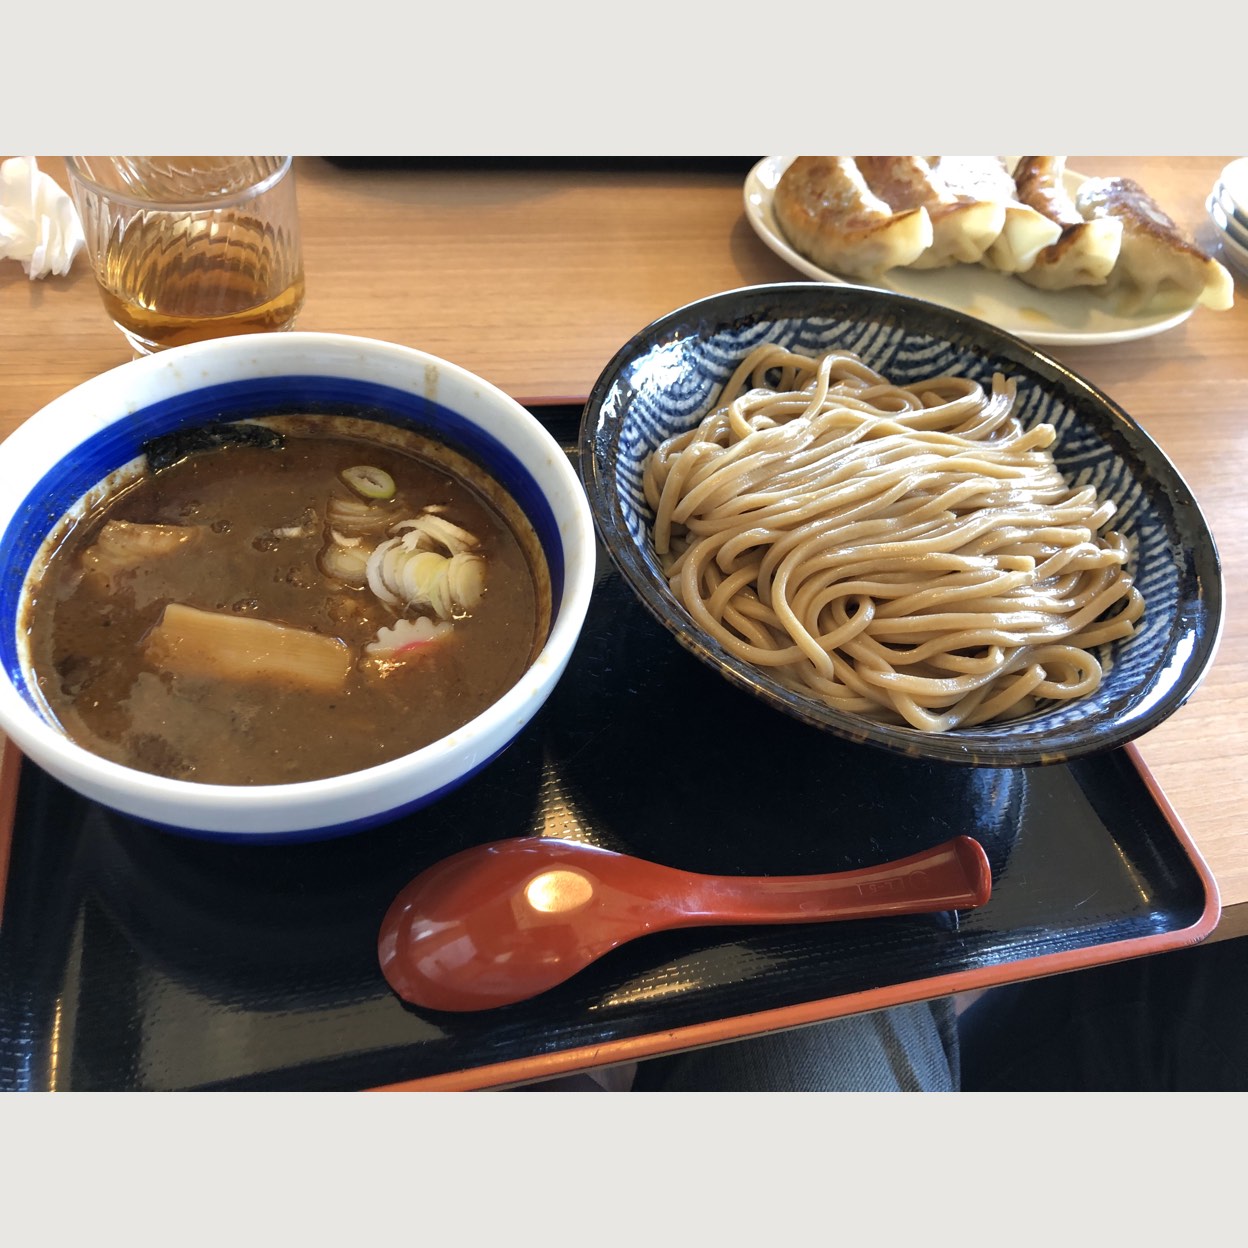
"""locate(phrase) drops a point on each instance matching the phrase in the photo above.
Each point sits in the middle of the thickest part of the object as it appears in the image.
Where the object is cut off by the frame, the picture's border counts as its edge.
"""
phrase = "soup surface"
(231, 619)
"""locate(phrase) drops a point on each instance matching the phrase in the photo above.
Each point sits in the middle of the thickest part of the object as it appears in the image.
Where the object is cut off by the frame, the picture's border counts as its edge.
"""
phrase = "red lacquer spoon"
(503, 922)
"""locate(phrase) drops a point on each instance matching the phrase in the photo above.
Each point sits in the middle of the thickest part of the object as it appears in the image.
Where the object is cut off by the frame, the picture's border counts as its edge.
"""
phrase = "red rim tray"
(133, 959)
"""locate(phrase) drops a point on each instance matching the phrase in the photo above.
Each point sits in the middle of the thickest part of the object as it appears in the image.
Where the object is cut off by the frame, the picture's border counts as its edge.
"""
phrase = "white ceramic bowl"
(61, 452)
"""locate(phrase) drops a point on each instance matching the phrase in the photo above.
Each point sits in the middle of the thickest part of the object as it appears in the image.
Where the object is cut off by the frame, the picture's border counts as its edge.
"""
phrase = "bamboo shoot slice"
(187, 641)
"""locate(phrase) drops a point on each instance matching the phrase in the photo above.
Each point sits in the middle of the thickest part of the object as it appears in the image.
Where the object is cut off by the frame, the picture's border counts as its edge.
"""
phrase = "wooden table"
(533, 279)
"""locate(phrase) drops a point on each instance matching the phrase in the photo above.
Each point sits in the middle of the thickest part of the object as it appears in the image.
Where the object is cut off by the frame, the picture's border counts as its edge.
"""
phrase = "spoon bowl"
(502, 922)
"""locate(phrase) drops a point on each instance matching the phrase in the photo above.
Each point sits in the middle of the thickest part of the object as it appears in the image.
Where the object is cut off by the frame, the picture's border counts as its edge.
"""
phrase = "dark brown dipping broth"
(86, 648)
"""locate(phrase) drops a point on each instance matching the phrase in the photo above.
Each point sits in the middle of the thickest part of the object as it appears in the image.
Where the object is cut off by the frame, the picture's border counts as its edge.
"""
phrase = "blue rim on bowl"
(668, 376)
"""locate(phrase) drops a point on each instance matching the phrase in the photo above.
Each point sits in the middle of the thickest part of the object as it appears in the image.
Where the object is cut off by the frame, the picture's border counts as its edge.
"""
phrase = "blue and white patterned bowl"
(668, 377)
(64, 450)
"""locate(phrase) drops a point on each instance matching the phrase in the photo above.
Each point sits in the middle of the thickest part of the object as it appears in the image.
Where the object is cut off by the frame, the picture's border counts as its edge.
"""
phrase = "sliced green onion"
(369, 482)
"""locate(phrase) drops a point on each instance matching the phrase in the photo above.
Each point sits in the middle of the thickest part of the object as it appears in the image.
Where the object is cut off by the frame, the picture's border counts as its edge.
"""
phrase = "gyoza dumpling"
(963, 227)
(1025, 232)
(1159, 268)
(1086, 251)
(827, 212)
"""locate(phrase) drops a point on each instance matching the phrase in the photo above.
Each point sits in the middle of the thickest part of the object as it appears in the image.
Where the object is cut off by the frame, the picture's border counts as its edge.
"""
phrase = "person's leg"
(910, 1048)
(1172, 1022)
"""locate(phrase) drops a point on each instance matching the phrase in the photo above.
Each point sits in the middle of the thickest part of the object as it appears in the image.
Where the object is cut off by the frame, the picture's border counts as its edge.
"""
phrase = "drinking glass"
(191, 247)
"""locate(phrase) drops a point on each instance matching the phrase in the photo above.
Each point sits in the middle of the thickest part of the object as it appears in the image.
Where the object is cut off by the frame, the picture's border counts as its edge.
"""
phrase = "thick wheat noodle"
(912, 554)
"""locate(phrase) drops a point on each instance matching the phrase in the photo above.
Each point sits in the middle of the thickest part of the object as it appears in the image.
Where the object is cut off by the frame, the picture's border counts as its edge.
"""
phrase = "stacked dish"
(1228, 207)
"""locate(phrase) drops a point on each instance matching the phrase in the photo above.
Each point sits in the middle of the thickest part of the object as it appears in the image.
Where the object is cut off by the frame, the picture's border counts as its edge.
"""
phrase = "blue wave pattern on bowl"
(119, 444)
(674, 377)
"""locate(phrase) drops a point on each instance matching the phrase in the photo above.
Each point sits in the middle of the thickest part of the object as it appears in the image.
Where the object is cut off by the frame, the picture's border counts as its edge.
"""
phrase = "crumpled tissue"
(39, 225)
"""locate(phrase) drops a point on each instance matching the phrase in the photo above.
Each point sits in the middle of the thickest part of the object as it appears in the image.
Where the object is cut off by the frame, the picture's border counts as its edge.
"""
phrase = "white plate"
(1057, 318)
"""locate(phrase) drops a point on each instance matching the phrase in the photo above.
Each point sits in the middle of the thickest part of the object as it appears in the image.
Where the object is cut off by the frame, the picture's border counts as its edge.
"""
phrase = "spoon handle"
(954, 875)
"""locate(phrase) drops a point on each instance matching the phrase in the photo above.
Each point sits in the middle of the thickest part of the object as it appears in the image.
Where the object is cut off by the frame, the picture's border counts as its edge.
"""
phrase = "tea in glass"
(191, 247)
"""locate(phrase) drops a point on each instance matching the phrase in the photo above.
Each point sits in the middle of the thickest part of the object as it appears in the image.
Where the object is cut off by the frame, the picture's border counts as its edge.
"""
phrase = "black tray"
(133, 959)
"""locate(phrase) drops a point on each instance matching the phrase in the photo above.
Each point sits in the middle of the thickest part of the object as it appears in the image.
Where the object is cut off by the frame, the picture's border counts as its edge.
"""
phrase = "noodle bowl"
(911, 554)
